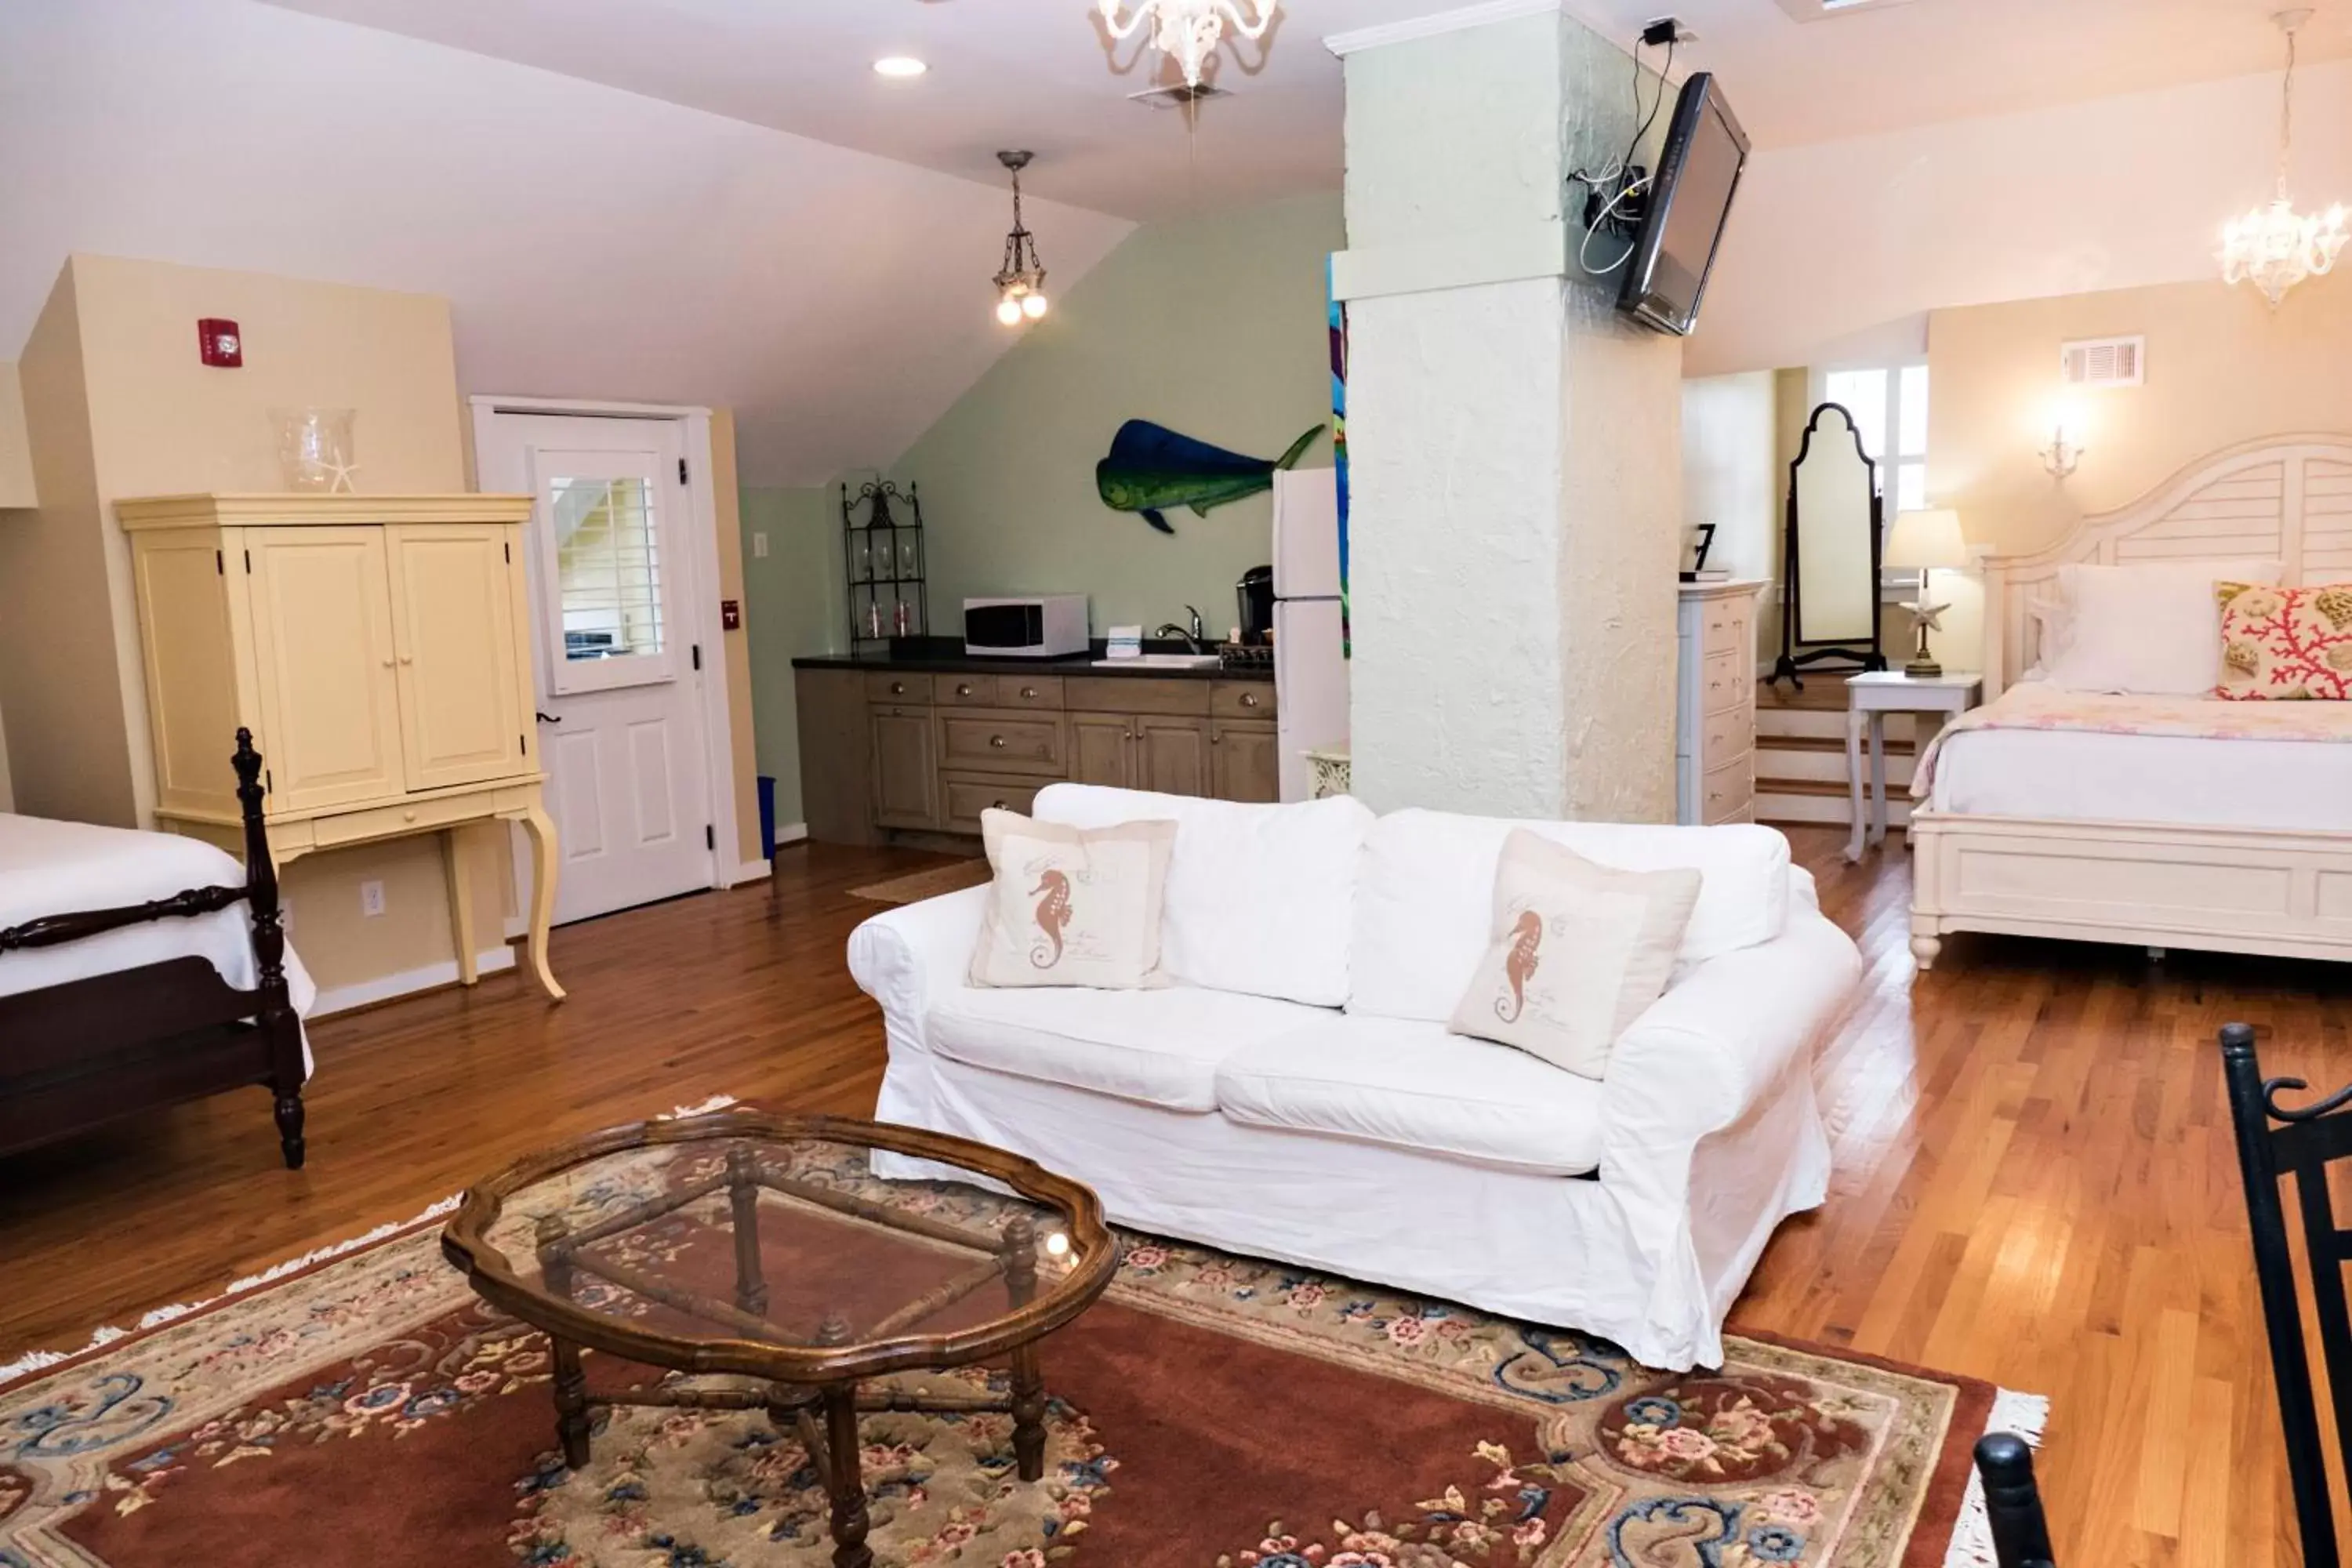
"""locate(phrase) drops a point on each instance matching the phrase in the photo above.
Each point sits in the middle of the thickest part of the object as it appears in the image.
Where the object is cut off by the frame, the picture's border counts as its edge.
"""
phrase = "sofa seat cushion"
(1159, 1047)
(1410, 1084)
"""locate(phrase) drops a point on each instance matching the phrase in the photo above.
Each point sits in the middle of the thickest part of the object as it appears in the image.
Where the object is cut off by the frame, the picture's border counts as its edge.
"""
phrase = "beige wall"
(17, 488)
(1733, 478)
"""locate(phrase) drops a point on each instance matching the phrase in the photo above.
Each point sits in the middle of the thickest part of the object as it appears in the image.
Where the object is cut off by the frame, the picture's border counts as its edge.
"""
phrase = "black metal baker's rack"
(884, 559)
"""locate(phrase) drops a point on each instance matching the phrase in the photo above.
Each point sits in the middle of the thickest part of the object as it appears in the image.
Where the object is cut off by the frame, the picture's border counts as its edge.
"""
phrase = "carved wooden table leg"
(743, 1205)
(1020, 1246)
(571, 1382)
(844, 1476)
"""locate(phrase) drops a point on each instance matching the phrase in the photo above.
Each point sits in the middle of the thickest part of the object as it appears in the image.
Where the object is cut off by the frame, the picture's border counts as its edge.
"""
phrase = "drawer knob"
(1000, 806)
(897, 688)
(407, 816)
(964, 688)
(1249, 699)
(997, 741)
(407, 658)
(1028, 692)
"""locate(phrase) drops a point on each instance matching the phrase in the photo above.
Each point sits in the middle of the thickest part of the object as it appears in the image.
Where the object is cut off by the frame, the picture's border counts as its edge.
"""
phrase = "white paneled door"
(613, 657)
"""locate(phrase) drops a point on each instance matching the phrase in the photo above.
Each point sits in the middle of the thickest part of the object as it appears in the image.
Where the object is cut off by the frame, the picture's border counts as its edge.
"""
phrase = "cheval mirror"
(1829, 576)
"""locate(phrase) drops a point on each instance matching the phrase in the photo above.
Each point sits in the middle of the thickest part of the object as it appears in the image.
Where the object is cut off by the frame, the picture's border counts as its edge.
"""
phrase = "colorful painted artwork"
(1338, 323)
(1151, 469)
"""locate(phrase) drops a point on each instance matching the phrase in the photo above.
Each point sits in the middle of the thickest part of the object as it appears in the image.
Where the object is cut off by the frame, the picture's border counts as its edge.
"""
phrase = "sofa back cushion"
(1261, 899)
(1425, 890)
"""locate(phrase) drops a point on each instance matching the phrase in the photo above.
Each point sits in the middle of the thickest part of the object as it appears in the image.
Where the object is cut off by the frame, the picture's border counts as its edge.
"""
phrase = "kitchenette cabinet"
(938, 747)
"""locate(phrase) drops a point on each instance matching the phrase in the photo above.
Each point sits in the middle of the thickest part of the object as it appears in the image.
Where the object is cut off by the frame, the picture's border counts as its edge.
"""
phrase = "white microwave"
(1032, 626)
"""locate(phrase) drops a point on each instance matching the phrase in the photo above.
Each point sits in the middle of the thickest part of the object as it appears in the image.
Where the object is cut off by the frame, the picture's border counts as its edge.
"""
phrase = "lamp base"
(1923, 669)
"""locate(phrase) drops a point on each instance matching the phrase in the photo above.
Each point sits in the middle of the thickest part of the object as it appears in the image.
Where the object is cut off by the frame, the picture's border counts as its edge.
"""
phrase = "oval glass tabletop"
(762, 1244)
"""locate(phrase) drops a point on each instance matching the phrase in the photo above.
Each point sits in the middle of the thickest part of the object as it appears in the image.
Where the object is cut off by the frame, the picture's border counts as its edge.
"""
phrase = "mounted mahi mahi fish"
(1151, 469)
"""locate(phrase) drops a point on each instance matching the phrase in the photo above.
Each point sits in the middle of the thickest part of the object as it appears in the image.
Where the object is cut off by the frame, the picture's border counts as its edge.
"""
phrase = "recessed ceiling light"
(899, 66)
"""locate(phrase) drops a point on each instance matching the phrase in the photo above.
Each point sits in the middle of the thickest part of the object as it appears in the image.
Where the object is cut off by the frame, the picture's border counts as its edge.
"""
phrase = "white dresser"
(1715, 703)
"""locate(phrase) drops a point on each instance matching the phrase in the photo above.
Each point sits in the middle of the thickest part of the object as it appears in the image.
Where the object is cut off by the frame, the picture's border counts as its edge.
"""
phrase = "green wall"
(1213, 326)
(789, 595)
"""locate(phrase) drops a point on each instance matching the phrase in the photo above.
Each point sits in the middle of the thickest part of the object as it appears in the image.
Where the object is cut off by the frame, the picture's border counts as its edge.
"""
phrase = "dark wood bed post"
(276, 1018)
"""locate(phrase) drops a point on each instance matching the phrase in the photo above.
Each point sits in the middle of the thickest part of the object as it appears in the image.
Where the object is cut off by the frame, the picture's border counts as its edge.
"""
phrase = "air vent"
(1177, 96)
(2104, 361)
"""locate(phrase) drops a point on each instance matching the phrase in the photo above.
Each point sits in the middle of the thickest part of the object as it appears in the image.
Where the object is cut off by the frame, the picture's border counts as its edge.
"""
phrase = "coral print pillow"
(2286, 643)
(1072, 906)
(1579, 951)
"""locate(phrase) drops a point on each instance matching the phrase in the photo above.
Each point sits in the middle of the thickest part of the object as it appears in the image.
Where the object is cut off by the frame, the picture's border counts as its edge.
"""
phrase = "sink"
(1161, 661)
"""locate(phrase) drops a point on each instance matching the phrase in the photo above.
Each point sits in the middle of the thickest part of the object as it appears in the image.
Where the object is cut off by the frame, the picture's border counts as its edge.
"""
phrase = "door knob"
(407, 658)
(387, 661)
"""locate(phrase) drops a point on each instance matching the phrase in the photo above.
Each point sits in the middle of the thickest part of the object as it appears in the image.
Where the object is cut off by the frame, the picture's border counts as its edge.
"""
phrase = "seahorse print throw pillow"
(1072, 906)
(2285, 644)
(1578, 951)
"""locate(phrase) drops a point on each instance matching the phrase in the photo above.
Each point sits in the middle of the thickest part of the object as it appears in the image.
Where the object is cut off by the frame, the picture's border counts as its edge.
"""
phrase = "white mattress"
(2183, 781)
(49, 867)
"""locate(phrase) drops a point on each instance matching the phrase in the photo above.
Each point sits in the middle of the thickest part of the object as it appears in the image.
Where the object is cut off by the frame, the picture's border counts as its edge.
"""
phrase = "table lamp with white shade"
(1924, 540)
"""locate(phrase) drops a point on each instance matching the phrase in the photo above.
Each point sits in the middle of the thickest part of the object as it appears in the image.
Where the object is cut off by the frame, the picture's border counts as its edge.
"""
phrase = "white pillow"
(1577, 953)
(1071, 906)
(1261, 899)
(2153, 628)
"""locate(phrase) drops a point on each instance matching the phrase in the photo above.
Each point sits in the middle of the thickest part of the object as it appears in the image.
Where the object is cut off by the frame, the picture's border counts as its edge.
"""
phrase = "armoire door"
(456, 598)
(322, 608)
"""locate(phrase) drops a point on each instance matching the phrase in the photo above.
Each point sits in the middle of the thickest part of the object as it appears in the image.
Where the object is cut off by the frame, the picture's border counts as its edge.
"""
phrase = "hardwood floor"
(2035, 1180)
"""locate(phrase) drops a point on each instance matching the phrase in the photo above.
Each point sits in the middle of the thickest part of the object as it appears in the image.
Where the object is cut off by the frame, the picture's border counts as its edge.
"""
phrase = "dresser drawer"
(1042, 691)
(391, 821)
(964, 690)
(1241, 698)
(1727, 793)
(1727, 734)
(1000, 742)
(966, 795)
(1723, 627)
(897, 688)
(1726, 681)
(1134, 694)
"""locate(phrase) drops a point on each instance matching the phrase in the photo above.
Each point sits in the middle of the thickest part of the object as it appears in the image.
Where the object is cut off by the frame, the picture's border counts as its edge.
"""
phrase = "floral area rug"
(1211, 1411)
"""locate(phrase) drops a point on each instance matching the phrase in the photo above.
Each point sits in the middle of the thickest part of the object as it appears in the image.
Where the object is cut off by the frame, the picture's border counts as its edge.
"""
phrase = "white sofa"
(1295, 1094)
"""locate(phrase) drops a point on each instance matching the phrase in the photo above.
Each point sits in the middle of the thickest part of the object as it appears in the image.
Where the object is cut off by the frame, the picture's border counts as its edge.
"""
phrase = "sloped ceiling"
(593, 243)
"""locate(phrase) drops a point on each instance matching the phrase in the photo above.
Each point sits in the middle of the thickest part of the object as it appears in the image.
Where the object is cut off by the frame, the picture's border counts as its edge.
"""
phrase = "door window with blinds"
(609, 601)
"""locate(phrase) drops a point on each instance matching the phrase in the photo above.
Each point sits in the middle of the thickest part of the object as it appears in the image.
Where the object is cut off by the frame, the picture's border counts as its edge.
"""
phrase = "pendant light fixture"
(2274, 248)
(1021, 281)
(1190, 29)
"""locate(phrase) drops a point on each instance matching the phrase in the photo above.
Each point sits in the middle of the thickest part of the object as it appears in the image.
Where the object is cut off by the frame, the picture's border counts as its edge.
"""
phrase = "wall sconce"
(2065, 453)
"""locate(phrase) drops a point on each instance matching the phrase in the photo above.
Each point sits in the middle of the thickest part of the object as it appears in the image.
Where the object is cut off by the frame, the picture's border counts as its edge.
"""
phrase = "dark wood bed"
(87, 1051)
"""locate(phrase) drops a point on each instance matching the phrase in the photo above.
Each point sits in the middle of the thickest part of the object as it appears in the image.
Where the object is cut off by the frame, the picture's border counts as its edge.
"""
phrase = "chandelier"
(1021, 281)
(1189, 29)
(2274, 248)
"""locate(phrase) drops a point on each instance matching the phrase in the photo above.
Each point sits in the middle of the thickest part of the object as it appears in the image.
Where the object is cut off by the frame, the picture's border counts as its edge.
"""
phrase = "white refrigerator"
(1311, 663)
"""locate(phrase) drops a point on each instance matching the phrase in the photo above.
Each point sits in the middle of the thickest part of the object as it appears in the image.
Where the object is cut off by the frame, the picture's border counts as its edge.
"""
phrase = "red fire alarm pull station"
(222, 345)
(730, 616)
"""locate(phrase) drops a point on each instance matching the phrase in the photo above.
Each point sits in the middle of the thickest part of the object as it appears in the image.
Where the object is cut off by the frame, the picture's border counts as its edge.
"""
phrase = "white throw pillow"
(1261, 899)
(1425, 897)
(1578, 951)
(1072, 906)
(2153, 628)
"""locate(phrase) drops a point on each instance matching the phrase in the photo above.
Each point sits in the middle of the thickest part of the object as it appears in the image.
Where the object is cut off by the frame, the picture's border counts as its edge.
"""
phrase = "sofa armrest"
(1711, 1047)
(905, 958)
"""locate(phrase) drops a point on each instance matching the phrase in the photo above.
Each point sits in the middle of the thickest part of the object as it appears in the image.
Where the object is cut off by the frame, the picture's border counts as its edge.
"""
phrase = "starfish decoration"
(342, 473)
(1924, 614)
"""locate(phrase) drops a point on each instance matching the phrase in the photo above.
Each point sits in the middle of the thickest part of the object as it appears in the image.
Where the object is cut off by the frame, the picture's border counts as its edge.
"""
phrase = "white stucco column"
(1514, 447)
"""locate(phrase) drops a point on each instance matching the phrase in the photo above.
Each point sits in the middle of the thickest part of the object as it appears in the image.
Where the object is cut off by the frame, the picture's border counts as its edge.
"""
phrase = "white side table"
(1870, 698)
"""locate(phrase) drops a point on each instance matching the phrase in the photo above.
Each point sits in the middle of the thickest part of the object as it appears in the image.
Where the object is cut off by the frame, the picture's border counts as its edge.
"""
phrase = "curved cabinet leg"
(541, 829)
(457, 868)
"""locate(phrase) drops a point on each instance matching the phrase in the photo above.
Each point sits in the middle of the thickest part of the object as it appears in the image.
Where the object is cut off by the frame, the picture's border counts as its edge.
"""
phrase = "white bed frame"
(2223, 889)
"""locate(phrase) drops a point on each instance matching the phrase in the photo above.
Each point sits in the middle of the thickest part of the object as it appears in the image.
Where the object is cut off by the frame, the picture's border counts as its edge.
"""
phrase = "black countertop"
(945, 655)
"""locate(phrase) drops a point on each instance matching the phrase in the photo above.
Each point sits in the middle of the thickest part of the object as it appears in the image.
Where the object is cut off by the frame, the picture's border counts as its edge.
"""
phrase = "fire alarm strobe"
(220, 343)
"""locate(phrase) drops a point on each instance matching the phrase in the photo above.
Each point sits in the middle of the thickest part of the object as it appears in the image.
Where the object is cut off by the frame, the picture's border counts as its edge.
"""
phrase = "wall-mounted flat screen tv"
(1698, 173)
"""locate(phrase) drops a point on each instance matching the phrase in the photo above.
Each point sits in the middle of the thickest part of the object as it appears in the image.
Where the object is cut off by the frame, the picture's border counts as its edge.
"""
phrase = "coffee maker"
(1253, 597)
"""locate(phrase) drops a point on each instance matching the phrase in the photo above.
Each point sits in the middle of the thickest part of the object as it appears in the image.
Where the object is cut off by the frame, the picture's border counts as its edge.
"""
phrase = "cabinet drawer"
(1725, 681)
(897, 688)
(1241, 698)
(1011, 743)
(1727, 734)
(964, 690)
(1029, 691)
(967, 797)
(392, 821)
(1723, 627)
(1132, 694)
(1727, 792)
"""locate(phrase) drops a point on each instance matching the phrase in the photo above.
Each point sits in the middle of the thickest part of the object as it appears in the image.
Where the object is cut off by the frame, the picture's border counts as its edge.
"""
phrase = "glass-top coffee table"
(749, 1246)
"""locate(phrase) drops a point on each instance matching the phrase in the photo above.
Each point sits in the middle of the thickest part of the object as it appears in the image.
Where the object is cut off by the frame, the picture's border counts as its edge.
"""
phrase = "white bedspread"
(49, 867)
(2180, 761)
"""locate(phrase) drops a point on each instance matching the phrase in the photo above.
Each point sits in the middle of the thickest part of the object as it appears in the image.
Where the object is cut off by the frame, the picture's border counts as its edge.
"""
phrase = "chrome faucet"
(1191, 637)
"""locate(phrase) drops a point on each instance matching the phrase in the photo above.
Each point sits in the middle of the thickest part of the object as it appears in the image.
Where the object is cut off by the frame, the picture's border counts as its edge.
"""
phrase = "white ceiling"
(1041, 73)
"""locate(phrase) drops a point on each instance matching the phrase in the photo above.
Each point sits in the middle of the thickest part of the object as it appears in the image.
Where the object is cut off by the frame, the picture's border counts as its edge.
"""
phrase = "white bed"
(2235, 844)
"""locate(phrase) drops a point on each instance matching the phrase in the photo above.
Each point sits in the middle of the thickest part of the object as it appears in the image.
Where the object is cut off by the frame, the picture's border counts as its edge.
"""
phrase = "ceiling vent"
(2104, 361)
(1177, 95)
(1822, 10)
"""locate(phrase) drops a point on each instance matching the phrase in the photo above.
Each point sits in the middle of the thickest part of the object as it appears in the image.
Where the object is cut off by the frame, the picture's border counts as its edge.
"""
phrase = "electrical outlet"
(370, 899)
(759, 545)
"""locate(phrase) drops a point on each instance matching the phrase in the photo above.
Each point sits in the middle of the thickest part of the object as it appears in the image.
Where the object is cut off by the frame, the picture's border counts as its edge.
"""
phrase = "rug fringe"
(2025, 1415)
(32, 1362)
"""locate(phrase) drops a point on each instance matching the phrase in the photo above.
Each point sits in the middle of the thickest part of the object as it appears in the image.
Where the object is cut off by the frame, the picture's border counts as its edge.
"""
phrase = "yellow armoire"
(377, 646)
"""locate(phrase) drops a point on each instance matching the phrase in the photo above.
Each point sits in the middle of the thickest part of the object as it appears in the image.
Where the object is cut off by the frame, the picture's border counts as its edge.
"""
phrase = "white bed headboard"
(2283, 497)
